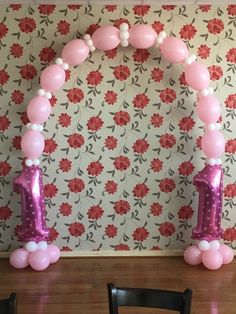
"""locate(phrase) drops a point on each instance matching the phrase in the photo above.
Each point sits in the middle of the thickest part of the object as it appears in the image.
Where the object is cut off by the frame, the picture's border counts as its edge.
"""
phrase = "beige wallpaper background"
(123, 139)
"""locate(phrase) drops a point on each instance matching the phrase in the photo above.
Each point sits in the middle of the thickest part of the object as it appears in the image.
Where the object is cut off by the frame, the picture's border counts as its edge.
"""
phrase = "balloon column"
(36, 251)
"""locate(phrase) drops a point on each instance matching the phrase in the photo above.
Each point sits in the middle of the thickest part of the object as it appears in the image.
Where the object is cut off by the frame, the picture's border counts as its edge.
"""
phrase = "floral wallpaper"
(123, 141)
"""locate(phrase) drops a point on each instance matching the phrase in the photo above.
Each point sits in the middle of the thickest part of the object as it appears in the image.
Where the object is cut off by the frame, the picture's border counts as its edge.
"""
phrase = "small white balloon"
(215, 245)
(89, 42)
(218, 161)
(211, 127)
(31, 246)
(48, 95)
(204, 92)
(65, 66)
(124, 43)
(36, 162)
(211, 162)
(204, 245)
(218, 126)
(124, 27)
(29, 162)
(59, 61)
(159, 40)
(34, 127)
(162, 35)
(42, 245)
(124, 35)
(87, 37)
(210, 90)
(40, 128)
(41, 92)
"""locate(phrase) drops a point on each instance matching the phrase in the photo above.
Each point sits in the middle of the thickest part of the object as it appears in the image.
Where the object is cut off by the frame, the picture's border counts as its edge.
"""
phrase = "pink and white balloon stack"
(37, 255)
(209, 180)
(211, 254)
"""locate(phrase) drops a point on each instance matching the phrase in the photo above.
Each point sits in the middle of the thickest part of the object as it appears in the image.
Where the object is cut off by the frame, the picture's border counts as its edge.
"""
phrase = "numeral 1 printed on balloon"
(33, 218)
(210, 186)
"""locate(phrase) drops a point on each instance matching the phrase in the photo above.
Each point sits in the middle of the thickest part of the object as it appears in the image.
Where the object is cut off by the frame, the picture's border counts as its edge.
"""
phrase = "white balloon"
(29, 162)
(42, 245)
(215, 245)
(124, 27)
(31, 246)
(204, 245)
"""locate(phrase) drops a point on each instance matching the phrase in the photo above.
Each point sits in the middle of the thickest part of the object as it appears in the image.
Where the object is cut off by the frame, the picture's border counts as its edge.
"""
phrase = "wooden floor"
(78, 285)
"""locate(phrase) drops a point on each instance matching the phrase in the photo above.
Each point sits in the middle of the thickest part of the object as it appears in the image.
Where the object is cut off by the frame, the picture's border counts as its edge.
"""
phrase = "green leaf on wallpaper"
(232, 20)
(218, 58)
(227, 81)
(88, 9)
(180, 193)
(125, 237)
(205, 36)
(125, 11)
(182, 10)
(228, 34)
(219, 11)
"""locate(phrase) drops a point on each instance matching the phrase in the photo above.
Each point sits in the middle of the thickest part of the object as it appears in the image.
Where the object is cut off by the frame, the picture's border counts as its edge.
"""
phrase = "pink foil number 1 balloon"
(32, 205)
(210, 184)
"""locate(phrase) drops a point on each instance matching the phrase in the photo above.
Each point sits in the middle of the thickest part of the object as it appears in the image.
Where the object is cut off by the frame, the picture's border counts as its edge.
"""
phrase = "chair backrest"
(8, 306)
(154, 298)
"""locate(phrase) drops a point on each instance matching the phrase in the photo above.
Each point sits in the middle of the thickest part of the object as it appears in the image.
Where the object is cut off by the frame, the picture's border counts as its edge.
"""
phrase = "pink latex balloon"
(174, 49)
(75, 52)
(193, 255)
(213, 144)
(227, 254)
(32, 144)
(212, 259)
(208, 109)
(19, 258)
(52, 78)
(38, 110)
(39, 260)
(197, 76)
(142, 36)
(106, 37)
(53, 253)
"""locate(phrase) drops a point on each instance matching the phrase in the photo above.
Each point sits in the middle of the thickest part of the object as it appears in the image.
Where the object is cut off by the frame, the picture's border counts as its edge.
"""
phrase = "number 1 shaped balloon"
(31, 188)
(210, 184)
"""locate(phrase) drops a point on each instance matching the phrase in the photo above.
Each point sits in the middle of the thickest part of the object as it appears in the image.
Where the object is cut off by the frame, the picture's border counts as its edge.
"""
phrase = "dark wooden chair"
(8, 306)
(153, 298)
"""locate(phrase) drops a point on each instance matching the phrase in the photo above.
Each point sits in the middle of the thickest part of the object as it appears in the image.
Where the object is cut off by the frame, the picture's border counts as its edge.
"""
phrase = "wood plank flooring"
(78, 285)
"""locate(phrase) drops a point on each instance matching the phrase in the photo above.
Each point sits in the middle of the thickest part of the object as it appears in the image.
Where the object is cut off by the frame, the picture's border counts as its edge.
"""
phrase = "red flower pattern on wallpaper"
(123, 141)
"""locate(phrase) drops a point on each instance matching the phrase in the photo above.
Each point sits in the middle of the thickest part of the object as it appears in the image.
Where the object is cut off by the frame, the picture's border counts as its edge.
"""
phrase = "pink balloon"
(32, 144)
(53, 253)
(39, 109)
(208, 109)
(39, 260)
(106, 37)
(19, 258)
(174, 49)
(142, 36)
(193, 255)
(52, 78)
(212, 259)
(227, 254)
(213, 144)
(197, 76)
(75, 52)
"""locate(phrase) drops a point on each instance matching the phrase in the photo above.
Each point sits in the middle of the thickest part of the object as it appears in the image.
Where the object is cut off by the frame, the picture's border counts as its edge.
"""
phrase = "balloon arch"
(36, 252)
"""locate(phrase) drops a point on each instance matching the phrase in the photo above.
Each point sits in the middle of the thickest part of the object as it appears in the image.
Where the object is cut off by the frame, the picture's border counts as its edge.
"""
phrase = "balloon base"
(211, 254)
(37, 255)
